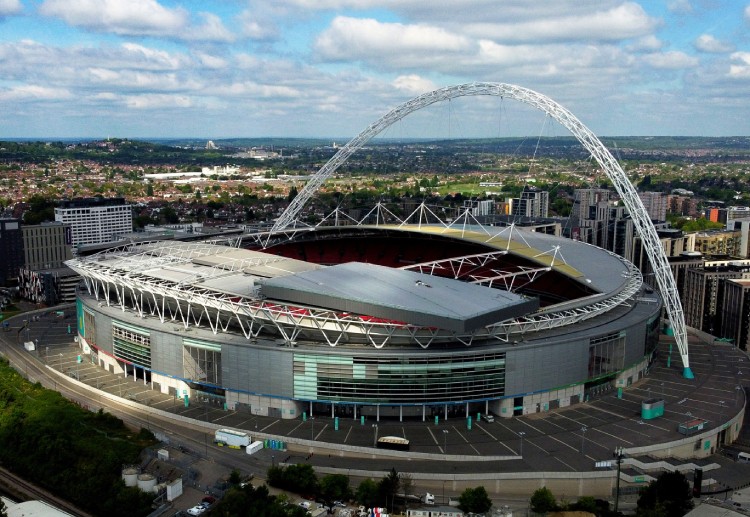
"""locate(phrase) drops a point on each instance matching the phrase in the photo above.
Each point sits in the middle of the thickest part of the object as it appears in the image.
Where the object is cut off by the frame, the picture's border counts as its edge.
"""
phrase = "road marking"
(429, 430)
(459, 433)
(221, 417)
(321, 431)
(269, 425)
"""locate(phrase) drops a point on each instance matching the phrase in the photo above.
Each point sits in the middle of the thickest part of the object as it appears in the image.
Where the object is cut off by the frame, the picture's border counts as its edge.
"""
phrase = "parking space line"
(269, 425)
(321, 431)
(429, 430)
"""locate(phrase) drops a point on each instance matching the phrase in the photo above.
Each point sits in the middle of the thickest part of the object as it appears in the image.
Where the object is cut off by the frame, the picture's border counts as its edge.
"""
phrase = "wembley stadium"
(398, 321)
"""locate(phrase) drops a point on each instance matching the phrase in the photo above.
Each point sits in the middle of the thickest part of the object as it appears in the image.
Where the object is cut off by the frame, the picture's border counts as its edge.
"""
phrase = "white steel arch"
(643, 225)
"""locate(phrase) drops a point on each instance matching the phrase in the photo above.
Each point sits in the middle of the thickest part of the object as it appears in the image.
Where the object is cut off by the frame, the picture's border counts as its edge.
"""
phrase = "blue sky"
(328, 68)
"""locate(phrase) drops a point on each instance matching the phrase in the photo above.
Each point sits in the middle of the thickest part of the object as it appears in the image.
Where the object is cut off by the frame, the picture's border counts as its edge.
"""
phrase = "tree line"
(67, 450)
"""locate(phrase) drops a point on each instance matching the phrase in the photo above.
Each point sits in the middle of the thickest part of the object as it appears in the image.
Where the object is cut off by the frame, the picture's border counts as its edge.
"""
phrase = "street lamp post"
(619, 454)
(312, 428)
(445, 441)
(444, 491)
(521, 434)
(737, 390)
(583, 437)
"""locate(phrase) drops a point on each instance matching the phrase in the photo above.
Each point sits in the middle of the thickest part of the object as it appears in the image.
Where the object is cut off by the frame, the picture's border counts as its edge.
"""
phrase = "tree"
(335, 487)
(671, 491)
(299, 478)
(542, 501)
(170, 215)
(40, 210)
(292, 194)
(475, 500)
(407, 485)
(235, 478)
(388, 488)
(585, 504)
(367, 493)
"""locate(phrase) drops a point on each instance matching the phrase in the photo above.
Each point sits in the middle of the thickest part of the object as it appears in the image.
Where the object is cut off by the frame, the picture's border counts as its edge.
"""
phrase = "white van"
(743, 457)
(489, 418)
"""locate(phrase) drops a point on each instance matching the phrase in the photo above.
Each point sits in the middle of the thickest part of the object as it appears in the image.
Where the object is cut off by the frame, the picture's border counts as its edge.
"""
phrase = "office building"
(95, 220)
(11, 250)
(47, 245)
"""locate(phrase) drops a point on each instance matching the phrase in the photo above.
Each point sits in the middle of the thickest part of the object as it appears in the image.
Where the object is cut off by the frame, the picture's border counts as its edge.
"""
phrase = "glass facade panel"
(399, 380)
(606, 355)
(202, 362)
(131, 344)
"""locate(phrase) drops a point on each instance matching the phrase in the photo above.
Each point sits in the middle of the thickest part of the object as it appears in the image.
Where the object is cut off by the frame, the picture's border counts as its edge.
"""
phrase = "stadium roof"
(400, 295)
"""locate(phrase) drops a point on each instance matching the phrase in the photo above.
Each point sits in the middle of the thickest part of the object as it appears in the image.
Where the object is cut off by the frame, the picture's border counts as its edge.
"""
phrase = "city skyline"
(328, 68)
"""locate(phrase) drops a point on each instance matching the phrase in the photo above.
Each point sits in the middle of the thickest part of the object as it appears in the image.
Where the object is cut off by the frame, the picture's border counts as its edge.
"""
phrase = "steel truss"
(119, 278)
(643, 225)
(463, 268)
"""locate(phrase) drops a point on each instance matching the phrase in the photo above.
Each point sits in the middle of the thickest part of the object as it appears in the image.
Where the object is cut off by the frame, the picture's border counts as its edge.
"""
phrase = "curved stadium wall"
(510, 374)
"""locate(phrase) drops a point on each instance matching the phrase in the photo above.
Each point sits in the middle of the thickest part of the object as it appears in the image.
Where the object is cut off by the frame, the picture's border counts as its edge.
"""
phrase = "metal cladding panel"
(260, 370)
(104, 333)
(166, 353)
(539, 368)
(399, 295)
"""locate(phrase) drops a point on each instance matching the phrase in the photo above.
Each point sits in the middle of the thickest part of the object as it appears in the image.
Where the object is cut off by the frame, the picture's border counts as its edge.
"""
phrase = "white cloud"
(257, 29)
(709, 44)
(740, 69)
(511, 20)
(413, 84)
(680, 6)
(151, 58)
(256, 90)
(624, 21)
(8, 7)
(136, 18)
(34, 92)
(209, 61)
(212, 29)
(355, 38)
(747, 14)
(647, 43)
(160, 101)
(671, 60)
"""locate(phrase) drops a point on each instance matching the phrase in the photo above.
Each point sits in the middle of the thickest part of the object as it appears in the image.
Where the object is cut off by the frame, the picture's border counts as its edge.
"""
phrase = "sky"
(328, 68)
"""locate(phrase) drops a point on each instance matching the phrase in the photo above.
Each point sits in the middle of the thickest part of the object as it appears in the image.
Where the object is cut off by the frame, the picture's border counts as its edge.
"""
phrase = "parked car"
(196, 510)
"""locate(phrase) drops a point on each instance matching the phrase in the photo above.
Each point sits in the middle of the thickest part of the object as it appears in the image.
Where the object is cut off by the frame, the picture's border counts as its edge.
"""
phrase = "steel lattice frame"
(120, 277)
(641, 221)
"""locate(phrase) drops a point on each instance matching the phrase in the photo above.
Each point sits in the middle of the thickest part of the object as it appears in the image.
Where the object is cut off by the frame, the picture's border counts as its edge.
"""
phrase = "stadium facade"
(409, 321)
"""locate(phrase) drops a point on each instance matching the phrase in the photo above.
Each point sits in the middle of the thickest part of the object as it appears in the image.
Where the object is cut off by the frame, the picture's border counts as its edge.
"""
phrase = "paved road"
(545, 442)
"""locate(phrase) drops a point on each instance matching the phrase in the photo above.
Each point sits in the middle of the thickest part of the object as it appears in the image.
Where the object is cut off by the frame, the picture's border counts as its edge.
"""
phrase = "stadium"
(394, 321)
(385, 318)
